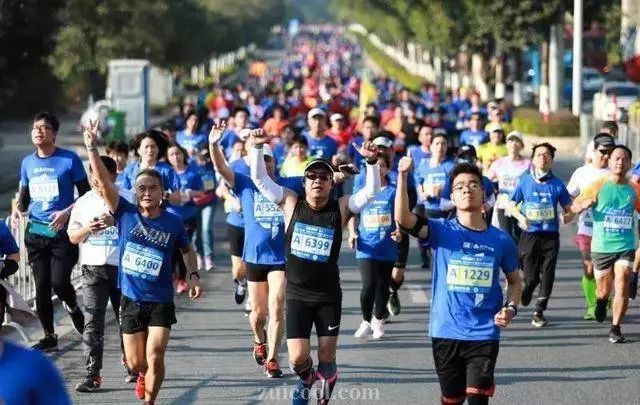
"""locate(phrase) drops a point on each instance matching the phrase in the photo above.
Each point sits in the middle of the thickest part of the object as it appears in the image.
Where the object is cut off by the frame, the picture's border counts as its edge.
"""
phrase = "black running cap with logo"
(604, 139)
(317, 163)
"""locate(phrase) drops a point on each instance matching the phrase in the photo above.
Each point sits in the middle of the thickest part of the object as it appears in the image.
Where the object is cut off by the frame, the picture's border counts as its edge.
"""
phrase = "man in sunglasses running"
(313, 238)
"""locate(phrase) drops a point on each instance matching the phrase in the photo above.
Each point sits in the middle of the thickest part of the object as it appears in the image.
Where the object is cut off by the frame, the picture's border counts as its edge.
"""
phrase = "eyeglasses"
(472, 186)
(315, 176)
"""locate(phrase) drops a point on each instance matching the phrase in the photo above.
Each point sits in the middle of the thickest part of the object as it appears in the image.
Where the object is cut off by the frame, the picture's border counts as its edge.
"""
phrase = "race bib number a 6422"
(311, 242)
(469, 273)
(141, 261)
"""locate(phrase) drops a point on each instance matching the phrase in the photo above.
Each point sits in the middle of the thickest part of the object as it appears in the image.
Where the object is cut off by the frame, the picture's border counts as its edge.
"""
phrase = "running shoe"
(589, 315)
(538, 319)
(527, 295)
(600, 312)
(240, 291)
(132, 376)
(272, 369)
(247, 307)
(363, 331)
(47, 344)
(200, 261)
(90, 383)
(393, 305)
(139, 390)
(209, 265)
(182, 286)
(615, 335)
(77, 317)
(377, 328)
(302, 392)
(260, 350)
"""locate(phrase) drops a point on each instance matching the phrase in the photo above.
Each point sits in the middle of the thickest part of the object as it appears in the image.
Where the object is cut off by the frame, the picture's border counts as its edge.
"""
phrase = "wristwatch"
(512, 307)
(194, 273)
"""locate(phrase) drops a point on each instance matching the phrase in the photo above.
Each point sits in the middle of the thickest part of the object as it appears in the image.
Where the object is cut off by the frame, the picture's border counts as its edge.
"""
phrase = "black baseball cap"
(604, 139)
(317, 163)
(467, 153)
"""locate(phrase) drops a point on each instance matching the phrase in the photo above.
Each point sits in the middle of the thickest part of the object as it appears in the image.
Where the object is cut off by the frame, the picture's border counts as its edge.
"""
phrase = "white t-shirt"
(101, 247)
(580, 179)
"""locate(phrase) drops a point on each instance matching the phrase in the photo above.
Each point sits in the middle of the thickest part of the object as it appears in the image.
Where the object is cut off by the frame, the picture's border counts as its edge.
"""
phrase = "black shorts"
(465, 367)
(603, 262)
(236, 240)
(260, 272)
(301, 316)
(138, 316)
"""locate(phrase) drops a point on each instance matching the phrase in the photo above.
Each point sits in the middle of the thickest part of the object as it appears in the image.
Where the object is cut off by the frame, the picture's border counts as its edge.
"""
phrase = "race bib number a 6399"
(311, 242)
(141, 261)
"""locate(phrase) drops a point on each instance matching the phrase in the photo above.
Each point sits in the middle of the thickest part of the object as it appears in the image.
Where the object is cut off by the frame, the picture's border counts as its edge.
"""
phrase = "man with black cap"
(313, 238)
(613, 200)
(580, 179)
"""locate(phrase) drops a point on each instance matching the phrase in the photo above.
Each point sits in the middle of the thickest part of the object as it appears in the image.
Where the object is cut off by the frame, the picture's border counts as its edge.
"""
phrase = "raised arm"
(274, 192)
(356, 202)
(407, 221)
(219, 161)
(105, 185)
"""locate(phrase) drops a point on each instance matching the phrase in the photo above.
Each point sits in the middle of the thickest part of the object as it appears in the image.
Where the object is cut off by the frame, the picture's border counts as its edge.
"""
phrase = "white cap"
(515, 134)
(316, 111)
(336, 117)
(383, 141)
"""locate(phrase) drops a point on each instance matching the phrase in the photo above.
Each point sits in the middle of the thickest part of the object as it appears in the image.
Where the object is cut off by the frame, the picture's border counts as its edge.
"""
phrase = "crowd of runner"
(296, 164)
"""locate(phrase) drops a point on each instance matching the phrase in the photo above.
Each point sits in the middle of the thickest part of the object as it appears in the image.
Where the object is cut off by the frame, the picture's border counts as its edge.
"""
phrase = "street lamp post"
(576, 96)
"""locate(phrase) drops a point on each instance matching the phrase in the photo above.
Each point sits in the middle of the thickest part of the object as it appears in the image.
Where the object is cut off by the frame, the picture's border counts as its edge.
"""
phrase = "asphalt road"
(209, 356)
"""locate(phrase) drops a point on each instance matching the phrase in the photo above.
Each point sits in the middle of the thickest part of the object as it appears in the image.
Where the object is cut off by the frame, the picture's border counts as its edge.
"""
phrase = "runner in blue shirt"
(475, 135)
(191, 187)
(149, 237)
(119, 152)
(467, 306)
(264, 247)
(376, 243)
(47, 181)
(321, 146)
(189, 138)
(207, 203)
(149, 147)
(540, 192)
(422, 152)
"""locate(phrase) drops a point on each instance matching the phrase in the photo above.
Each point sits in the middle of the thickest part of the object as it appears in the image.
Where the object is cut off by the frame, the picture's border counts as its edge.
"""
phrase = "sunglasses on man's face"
(605, 151)
(315, 176)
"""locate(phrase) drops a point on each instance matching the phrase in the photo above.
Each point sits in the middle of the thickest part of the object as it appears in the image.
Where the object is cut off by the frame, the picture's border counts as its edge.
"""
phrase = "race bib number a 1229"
(470, 273)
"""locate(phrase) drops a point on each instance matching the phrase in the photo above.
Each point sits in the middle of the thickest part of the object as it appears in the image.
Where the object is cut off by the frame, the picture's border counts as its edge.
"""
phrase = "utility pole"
(576, 96)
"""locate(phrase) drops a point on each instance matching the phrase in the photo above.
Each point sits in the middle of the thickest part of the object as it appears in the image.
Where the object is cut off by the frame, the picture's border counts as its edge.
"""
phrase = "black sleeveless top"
(314, 238)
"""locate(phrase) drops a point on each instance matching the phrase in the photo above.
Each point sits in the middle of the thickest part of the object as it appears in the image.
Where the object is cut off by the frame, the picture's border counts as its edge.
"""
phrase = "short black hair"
(372, 119)
(465, 168)
(300, 139)
(118, 147)
(552, 149)
(156, 136)
(49, 118)
(185, 155)
(152, 173)
(240, 109)
(624, 148)
(109, 163)
(610, 125)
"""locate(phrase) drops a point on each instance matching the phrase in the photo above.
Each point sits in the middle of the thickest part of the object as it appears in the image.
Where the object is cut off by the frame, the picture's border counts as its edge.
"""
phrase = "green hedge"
(388, 65)
(530, 121)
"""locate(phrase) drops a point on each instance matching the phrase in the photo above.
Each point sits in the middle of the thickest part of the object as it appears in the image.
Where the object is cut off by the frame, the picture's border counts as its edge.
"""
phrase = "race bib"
(141, 261)
(106, 237)
(469, 274)
(437, 179)
(618, 222)
(587, 219)
(376, 218)
(311, 242)
(540, 212)
(266, 213)
(209, 182)
(508, 183)
(43, 188)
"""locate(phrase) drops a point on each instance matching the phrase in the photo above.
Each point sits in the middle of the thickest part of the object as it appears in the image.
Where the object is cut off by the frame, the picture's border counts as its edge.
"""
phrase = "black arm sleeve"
(23, 199)
(83, 187)
(8, 267)
(415, 231)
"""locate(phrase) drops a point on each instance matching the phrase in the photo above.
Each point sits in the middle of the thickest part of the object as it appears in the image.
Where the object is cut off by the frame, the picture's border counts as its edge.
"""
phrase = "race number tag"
(376, 218)
(311, 242)
(618, 221)
(508, 183)
(539, 212)
(266, 212)
(43, 188)
(106, 237)
(469, 274)
(141, 261)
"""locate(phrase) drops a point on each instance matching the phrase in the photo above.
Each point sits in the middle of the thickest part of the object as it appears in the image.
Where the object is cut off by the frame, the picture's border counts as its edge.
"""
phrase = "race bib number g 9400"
(469, 273)
(43, 188)
(311, 242)
(141, 261)
(540, 212)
